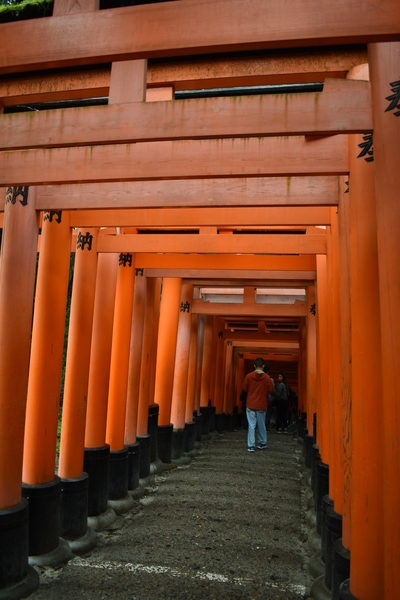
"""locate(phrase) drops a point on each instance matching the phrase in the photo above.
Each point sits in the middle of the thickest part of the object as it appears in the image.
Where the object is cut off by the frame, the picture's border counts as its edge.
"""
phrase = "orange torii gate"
(258, 170)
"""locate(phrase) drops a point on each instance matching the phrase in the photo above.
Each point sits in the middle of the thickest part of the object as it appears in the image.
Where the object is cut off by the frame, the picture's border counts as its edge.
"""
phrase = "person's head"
(281, 377)
(259, 364)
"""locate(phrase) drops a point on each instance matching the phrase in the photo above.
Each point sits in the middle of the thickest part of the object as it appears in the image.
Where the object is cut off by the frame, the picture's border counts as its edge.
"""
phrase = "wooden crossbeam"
(211, 243)
(304, 263)
(343, 106)
(185, 28)
(298, 66)
(241, 191)
(180, 159)
(298, 309)
(233, 276)
(200, 217)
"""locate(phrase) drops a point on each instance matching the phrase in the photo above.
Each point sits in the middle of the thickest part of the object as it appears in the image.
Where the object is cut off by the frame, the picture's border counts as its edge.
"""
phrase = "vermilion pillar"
(167, 332)
(178, 404)
(228, 377)
(191, 380)
(146, 359)
(166, 347)
(310, 374)
(200, 345)
(132, 399)
(74, 481)
(181, 359)
(323, 359)
(139, 305)
(206, 363)
(118, 385)
(219, 380)
(97, 452)
(17, 276)
(366, 566)
(47, 349)
(100, 353)
(384, 61)
(43, 399)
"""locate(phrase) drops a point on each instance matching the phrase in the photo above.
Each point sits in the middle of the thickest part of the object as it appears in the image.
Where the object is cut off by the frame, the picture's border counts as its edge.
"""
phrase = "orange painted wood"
(43, 399)
(218, 394)
(17, 277)
(78, 360)
(366, 466)
(127, 82)
(296, 279)
(166, 347)
(343, 106)
(135, 351)
(310, 358)
(147, 357)
(151, 31)
(121, 337)
(100, 351)
(241, 191)
(197, 217)
(218, 308)
(69, 7)
(384, 69)
(178, 159)
(180, 377)
(334, 386)
(301, 65)
(191, 379)
(323, 360)
(199, 360)
(155, 328)
(279, 263)
(345, 361)
(205, 390)
(228, 375)
(214, 243)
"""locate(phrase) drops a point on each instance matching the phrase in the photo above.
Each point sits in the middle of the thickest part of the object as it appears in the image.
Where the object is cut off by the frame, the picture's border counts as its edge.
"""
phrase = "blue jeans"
(256, 418)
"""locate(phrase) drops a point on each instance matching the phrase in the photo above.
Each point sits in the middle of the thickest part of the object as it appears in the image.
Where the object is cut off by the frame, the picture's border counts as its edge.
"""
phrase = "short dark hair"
(259, 362)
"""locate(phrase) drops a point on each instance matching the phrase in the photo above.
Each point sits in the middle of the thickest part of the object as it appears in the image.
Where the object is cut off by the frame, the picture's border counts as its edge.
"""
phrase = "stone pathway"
(227, 526)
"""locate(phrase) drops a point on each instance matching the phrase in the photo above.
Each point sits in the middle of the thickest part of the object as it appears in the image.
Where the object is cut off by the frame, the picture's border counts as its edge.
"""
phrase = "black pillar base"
(74, 507)
(229, 422)
(96, 465)
(212, 418)
(344, 591)
(315, 459)
(144, 454)
(220, 422)
(177, 443)
(302, 425)
(189, 434)
(321, 490)
(118, 482)
(44, 515)
(333, 525)
(165, 443)
(308, 444)
(133, 465)
(205, 413)
(152, 429)
(17, 578)
(326, 503)
(198, 423)
(341, 567)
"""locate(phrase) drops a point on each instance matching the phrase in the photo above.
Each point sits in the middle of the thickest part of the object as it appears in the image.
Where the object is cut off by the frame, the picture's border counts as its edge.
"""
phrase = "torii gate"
(233, 156)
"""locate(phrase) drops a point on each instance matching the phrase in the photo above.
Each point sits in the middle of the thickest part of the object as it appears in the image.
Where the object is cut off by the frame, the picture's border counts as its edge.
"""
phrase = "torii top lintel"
(192, 27)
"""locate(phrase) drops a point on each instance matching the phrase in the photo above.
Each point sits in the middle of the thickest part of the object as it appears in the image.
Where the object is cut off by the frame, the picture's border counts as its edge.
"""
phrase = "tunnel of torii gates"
(205, 231)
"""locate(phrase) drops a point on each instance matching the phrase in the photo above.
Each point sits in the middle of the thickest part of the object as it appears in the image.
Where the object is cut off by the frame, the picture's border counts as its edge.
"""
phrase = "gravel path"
(229, 525)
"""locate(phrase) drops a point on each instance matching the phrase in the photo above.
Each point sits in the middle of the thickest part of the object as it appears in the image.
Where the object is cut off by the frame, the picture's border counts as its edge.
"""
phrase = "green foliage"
(13, 10)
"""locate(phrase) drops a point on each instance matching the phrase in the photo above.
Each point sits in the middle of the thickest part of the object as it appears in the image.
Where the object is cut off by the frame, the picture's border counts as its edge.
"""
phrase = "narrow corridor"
(227, 525)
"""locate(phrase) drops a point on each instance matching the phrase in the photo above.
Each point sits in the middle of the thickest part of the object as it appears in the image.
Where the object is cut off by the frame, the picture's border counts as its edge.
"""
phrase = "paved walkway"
(227, 526)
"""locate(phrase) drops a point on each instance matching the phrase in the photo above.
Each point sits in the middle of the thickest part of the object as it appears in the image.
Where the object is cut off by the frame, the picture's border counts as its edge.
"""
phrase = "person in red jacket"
(257, 385)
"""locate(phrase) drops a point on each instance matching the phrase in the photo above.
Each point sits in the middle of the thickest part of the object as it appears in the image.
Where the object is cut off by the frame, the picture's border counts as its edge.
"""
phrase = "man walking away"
(257, 385)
